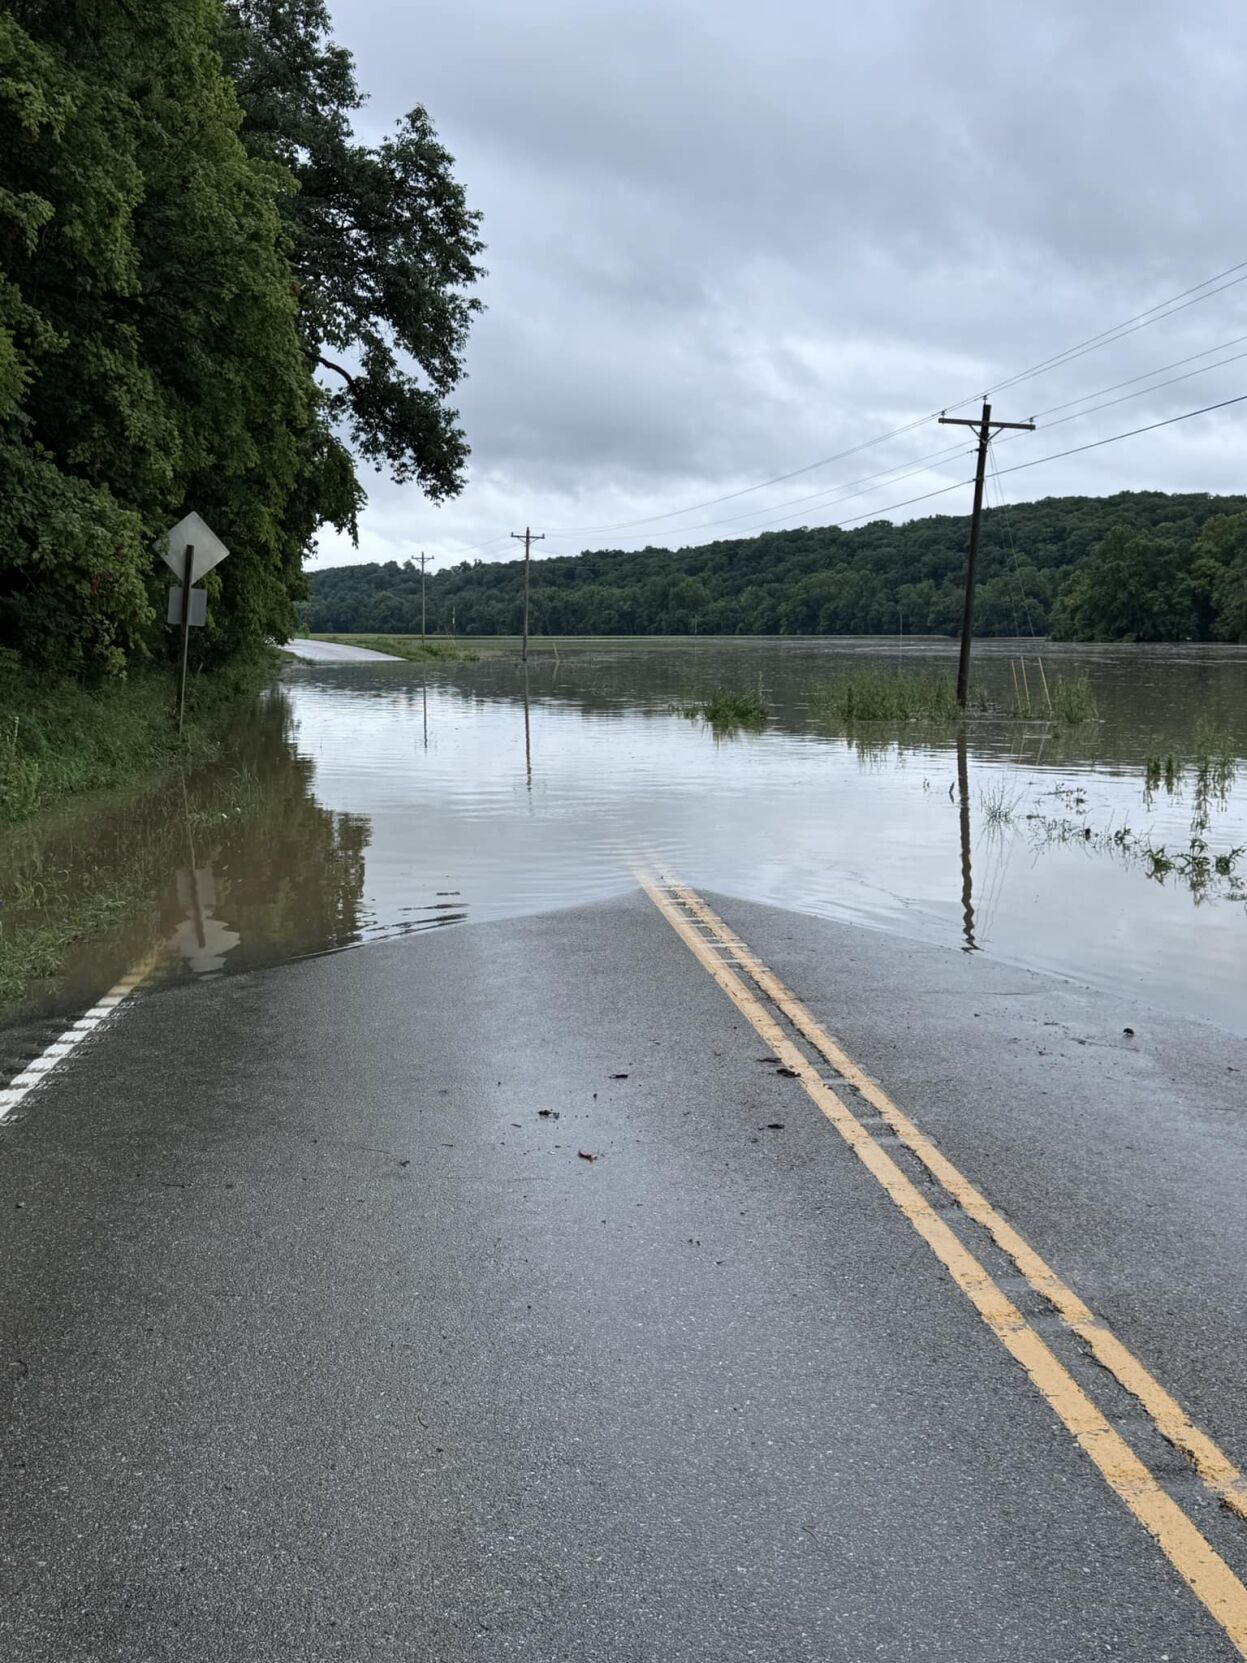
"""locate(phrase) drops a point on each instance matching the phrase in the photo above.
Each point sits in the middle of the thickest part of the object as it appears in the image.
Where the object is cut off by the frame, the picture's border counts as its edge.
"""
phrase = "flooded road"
(369, 800)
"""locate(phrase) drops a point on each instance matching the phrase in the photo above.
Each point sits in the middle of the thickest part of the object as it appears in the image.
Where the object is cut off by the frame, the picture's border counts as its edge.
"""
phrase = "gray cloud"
(726, 240)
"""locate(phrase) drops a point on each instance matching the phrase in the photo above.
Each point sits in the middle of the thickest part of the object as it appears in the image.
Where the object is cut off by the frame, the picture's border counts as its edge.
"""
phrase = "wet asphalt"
(320, 1338)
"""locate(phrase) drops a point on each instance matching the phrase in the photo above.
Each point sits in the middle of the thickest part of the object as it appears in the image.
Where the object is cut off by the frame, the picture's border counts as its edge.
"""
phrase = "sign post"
(186, 629)
(190, 548)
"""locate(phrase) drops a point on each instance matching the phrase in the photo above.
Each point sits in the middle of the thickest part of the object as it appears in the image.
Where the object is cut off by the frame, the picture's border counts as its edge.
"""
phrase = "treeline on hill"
(1140, 566)
(189, 233)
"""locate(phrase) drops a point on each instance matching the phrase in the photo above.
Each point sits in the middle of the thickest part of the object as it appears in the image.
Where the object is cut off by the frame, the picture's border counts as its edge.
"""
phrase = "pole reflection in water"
(528, 740)
(967, 881)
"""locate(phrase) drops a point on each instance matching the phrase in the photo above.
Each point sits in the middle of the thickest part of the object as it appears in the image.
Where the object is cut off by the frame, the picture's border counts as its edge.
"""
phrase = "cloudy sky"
(729, 240)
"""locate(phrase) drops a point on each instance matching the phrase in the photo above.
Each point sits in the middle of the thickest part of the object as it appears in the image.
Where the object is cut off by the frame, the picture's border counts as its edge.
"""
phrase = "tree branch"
(337, 368)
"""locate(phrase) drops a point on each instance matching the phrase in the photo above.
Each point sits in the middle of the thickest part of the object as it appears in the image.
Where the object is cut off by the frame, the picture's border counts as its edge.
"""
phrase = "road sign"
(208, 547)
(199, 606)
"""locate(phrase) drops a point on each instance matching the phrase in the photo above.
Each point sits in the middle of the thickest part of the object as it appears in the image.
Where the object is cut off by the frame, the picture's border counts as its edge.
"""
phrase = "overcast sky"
(729, 239)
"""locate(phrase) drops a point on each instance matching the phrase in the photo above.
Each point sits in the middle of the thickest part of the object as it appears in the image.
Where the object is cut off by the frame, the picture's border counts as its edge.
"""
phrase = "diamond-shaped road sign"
(209, 549)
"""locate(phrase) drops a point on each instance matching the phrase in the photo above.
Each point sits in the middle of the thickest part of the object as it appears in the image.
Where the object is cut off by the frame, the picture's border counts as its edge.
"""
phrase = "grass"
(999, 806)
(58, 738)
(429, 651)
(726, 709)
(870, 695)
(1068, 700)
(1210, 764)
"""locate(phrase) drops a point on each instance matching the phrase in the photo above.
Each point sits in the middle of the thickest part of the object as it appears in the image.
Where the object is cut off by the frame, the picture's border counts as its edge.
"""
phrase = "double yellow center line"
(1212, 1581)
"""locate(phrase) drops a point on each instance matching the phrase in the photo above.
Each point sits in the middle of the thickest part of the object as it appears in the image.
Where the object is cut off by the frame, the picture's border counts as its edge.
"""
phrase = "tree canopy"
(383, 244)
(162, 304)
(1139, 566)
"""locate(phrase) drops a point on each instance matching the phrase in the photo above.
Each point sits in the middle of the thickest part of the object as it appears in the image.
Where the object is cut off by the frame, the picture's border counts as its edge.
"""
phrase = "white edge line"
(36, 1072)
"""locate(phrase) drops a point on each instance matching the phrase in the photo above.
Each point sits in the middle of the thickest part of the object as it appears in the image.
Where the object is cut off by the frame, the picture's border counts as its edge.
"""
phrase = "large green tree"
(149, 355)
(383, 244)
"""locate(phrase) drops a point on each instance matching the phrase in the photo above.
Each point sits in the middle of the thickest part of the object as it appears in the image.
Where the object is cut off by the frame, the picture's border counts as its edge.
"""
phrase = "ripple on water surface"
(366, 801)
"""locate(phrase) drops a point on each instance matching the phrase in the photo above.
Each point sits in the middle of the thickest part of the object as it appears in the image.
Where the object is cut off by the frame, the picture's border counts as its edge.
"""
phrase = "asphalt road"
(336, 652)
(320, 1338)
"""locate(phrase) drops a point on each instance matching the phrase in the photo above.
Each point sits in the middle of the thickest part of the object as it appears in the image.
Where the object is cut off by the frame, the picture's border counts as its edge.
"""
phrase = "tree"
(1128, 590)
(383, 244)
(149, 358)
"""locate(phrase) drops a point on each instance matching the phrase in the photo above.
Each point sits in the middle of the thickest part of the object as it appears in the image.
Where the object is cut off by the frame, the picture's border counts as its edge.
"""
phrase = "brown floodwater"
(358, 802)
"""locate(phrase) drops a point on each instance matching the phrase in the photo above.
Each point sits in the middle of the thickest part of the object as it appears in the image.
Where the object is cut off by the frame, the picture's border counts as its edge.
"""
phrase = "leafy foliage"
(157, 352)
(383, 244)
(878, 579)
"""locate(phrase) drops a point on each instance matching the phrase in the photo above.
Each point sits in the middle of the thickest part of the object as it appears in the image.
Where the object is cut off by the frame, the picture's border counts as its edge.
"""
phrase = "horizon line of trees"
(1137, 566)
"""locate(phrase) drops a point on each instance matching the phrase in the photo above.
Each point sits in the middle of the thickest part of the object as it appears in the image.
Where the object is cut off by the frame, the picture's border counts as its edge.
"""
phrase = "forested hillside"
(1142, 566)
(189, 233)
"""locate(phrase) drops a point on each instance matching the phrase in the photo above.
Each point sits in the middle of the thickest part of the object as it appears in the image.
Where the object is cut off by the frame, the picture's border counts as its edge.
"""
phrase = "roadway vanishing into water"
(674, 1278)
(336, 652)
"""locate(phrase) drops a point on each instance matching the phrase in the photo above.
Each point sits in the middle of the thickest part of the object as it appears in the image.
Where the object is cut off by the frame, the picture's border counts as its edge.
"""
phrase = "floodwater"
(364, 801)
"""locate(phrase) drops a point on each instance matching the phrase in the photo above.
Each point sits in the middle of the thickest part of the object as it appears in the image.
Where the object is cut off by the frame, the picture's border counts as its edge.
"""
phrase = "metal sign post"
(191, 548)
(186, 629)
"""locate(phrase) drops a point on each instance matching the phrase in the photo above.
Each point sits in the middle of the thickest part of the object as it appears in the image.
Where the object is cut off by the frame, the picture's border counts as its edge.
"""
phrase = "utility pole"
(986, 427)
(526, 537)
(424, 560)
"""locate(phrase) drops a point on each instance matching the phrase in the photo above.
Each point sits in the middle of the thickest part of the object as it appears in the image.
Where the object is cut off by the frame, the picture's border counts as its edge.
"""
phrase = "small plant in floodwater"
(999, 806)
(1211, 765)
(1068, 700)
(1073, 700)
(725, 709)
(870, 695)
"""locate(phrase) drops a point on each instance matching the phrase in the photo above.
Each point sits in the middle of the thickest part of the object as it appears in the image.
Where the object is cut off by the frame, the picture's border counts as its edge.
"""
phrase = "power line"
(1107, 337)
(1151, 427)
(838, 493)
(1156, 387)
(878, 513)
(939, 455)
(1130, 381)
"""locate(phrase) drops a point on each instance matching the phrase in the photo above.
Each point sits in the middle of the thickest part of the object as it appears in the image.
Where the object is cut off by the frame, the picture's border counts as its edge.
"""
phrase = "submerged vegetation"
(57, 737)
(888, 695)
(874, 695)
(1207, 769)
(1068, 699)
(725, 710)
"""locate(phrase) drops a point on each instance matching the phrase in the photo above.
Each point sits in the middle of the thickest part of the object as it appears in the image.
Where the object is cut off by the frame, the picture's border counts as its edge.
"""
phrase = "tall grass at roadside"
(58, 737)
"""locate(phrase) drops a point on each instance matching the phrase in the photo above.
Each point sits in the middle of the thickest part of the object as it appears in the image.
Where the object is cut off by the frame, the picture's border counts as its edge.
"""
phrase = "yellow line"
(1192, 1556)
(1215, 1467)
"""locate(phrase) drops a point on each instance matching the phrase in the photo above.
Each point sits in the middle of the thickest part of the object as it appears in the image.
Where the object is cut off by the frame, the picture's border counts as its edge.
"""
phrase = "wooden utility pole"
(986, 427)
(526, 537)
(424, 560)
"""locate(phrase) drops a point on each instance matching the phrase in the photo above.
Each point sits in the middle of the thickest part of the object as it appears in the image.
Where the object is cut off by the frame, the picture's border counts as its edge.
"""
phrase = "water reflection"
(232, 866)
(967, 880)
(374, 800)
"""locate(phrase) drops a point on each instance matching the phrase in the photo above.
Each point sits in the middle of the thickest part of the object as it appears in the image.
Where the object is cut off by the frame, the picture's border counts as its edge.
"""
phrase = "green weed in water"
(725, 709)
(870, 695)
(1068, 700)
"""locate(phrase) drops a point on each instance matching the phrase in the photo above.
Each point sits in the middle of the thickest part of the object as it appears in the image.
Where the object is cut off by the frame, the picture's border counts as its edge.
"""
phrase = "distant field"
(462, 647)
